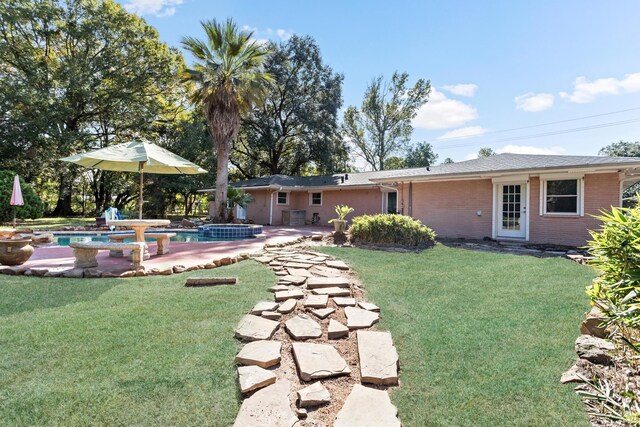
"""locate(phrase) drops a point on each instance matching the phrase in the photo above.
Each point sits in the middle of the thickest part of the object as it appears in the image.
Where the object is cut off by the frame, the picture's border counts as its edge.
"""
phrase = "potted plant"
(340, 223)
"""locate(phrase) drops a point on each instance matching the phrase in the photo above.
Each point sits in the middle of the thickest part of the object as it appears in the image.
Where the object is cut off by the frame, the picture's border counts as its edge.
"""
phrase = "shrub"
(616, 290)
(391, 230)
(33, 207)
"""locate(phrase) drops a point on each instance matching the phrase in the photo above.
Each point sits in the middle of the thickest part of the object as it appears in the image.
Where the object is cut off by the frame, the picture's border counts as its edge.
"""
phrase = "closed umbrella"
(16, 197)
(136, 156)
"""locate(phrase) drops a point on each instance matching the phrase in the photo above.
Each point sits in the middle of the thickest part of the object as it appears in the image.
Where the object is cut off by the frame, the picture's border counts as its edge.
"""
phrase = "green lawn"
(482, 337)
(52, 223)
(143, 351)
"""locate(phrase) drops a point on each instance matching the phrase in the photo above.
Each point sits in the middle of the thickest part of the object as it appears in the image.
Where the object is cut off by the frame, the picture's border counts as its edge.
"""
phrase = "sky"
(543, 77)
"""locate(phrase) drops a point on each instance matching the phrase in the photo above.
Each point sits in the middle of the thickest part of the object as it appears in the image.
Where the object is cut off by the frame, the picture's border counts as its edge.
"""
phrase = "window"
(562, 196)
(283, 198)
(315, 199)
(392, 202)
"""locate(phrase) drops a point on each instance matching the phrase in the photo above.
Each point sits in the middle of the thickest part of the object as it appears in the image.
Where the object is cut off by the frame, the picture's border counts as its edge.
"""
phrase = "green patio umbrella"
(136, 156)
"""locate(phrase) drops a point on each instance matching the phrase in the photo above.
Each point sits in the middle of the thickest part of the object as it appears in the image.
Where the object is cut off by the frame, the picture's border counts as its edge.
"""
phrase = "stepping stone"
(316, 301)
(302, 327)
(288, 306)
(336, 330)
(344, 301)
(365, 407)
(295, 264)
(264, 306)
(323, 271)
(300, 272)
(277, 288)
(294, 280)
(368, 306)
(378, 358)
(333, 292)
(254, 328)
(358, 318)
(317, 361)
(285, 295)
(319, 258)
(260, 353)
(275, 264)
(272, 315)
(264, 259)
(280, 273)
(340, 265)
(314, 395)
(268, 407)
(327, 282)
(254, 377)
(323, 312)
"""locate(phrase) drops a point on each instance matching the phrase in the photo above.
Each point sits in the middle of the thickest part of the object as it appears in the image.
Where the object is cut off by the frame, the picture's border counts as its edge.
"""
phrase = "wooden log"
(210, 281)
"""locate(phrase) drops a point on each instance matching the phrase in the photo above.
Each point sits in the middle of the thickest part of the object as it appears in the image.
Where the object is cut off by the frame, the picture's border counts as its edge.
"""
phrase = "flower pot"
(15, 252)
(339, 226)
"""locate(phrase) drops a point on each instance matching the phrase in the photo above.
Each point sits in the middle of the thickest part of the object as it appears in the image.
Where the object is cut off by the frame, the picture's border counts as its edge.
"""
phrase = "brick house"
(520, 197)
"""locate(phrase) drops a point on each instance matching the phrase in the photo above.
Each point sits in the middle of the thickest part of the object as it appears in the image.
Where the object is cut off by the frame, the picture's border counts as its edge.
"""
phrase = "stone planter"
(339, 226)
(15, 252)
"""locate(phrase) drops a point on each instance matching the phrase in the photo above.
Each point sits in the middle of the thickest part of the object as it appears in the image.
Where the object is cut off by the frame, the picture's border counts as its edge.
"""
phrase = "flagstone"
(315, 361)
(300, 272)
(253, 328)
(336, 330)
(269, 406)
(302, 327)
(323, 312)
(333, 292)
(264, 306)
(368, 306)
(294, 280)
(378, 358)
(288, 306)
(272, 315)
(340, 265)
(321, 270)
(366, 407)
(316, 301)
(313, 395)
(285, 295)
(358, 318)
(327, 282)
(277, 288)
(260, 353)
(296, 264)
(254, 377)
(344, 301)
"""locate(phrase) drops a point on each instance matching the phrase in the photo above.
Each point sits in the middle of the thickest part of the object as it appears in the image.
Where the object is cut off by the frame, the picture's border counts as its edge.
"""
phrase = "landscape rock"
(254, 377)
(92, 273)
(8, 271)
(367, 407)
(277, 288)
(340, 265)
(593, 349)
(302, 327)
(323, 312)
(344, 301)
(39, 271)
(73, 273)
(179, 268)
(316, 301)
(323, 271)
(285, 295)
(268, 407)
(572, 375)
(358, 318)
(313, 395)
(264, 306)
(187, 223)
(263, 353)
(288, 306)
(378, 358)
(299, 272)
(253, 328)
(272, 315)
(225, 261)
(368, 306)
(327, 282)
(337, 330)
(294, 280)
(333, 292)
(315, 361)
(591, 324)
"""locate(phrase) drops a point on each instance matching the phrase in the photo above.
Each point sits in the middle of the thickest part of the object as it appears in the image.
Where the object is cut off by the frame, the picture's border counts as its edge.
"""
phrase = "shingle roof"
(500, 163)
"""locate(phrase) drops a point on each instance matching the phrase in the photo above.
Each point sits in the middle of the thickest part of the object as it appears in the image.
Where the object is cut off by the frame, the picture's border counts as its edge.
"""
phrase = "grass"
(55, 223)
(482, 337)
(143, 351)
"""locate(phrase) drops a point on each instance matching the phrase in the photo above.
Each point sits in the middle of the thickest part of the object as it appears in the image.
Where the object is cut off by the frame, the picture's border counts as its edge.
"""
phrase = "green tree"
(624, 149)
(422, 155)
(297, 126)
(382, 125)
(395, 162)
(69, 69)
(486, 152)
(230, 79)
(448, 161)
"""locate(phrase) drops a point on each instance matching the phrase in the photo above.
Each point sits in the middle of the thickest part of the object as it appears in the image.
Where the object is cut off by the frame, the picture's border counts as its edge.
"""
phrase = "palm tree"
(229, 81)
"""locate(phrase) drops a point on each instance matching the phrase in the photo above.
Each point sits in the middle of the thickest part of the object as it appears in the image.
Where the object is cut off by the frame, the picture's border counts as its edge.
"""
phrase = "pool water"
(181, 236)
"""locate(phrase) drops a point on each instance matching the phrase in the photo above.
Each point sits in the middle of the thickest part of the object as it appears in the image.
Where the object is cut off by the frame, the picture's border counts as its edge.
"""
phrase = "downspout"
(410, 199)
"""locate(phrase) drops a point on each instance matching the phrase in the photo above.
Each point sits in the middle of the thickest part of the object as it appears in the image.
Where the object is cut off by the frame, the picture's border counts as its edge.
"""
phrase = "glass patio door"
(512, 210)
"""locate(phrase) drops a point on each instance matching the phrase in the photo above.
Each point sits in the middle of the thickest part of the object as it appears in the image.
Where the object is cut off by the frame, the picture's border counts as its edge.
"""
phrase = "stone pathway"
(311, 356)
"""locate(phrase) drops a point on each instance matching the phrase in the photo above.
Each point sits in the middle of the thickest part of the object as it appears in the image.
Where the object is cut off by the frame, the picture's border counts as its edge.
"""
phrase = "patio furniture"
(85, 252)
(139, 226)
(163, 240)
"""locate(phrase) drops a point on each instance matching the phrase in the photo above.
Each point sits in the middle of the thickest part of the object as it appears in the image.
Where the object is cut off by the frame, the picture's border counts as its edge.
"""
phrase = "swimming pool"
(63, 239)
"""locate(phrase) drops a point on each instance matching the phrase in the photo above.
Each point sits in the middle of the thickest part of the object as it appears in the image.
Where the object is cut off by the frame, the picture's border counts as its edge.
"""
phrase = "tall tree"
(422, 155)
(447, 161)
(486, 152)
(624, 149)
(382, 125)
(297, 126)
(230, 80)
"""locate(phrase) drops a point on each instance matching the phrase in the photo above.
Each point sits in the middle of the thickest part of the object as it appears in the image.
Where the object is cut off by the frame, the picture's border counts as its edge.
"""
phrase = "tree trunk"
(222, 182)
(63, 205)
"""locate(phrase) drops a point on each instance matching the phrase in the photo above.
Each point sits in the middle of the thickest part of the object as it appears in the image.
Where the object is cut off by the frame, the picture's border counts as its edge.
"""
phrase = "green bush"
(616, 249)
(33, 207)
(391, 230)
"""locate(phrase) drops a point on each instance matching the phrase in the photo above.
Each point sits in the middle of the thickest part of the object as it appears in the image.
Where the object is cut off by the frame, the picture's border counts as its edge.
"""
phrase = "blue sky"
(494, 65)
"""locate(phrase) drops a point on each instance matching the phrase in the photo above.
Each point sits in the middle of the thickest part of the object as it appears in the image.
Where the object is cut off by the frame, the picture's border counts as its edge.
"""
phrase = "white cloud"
(461, 133)
(443, 113)
(534, 101)
(530, 149)
(471, 156)
(585, 91)
(463, 89)
(158, 8)
(284, 35)
(263, 37)
(249, 28)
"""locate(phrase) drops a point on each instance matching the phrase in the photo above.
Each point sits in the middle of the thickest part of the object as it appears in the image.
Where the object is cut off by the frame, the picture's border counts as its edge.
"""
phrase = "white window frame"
(287, 193)
(311, 193)
(562, 177)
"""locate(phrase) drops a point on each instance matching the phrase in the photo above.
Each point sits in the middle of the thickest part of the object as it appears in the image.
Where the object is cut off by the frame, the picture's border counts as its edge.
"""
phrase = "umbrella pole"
(141, 187)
